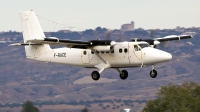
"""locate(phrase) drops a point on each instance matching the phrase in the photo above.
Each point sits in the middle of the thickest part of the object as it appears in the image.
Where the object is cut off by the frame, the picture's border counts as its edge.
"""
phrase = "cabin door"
(85, 57)
(137, 55)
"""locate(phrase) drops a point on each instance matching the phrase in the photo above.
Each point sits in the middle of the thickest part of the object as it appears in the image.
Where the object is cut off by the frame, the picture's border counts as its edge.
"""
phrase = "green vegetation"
(176, 98)
(88, 103)
(29, 107)
(85, 110)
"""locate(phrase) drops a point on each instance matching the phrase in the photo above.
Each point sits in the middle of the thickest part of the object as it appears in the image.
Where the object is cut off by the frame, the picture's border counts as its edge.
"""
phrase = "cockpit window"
(140, 46)
(143, 45)
(136, 48)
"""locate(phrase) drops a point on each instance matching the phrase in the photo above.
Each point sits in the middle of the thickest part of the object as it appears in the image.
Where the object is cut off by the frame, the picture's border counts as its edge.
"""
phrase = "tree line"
(75, 103)
(169, 98)
(176, 98)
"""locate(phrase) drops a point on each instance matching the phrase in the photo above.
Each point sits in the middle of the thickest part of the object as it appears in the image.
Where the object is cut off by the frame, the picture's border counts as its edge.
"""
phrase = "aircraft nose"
(168, 56)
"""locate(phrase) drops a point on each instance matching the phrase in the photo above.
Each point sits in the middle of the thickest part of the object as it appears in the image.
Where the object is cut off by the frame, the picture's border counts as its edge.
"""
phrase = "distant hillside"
(23, 79)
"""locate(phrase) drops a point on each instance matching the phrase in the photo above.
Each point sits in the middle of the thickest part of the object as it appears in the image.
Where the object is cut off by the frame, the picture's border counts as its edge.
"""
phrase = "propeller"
(120, 38)
(108, 35)
(152, 36)
(151, 33)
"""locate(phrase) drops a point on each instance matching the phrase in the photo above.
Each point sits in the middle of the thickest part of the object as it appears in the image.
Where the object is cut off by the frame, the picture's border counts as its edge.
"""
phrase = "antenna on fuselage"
(136, 39)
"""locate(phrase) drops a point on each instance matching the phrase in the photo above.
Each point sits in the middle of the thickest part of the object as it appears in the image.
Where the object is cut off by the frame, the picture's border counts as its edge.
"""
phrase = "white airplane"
(101, 54)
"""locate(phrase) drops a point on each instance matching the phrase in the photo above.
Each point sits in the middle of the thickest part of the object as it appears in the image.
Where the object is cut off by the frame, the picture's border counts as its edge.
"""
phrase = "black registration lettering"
(59, 54)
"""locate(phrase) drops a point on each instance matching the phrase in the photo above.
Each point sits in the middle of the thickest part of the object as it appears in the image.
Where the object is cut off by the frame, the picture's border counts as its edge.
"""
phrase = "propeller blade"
(121, 38)
(107, 34)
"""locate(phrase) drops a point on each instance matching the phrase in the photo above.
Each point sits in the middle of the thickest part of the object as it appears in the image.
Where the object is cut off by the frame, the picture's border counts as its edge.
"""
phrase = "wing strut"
(103, 65)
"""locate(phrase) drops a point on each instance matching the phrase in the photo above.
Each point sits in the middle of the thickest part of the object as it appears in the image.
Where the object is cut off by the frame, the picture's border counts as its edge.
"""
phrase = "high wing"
(173, 37)
(65, 42)
(157, 41)
(86, 44)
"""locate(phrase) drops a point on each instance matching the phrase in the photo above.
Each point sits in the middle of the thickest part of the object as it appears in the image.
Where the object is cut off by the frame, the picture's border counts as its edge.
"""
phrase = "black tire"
(95, 75)
(124, 75)
(153, 73)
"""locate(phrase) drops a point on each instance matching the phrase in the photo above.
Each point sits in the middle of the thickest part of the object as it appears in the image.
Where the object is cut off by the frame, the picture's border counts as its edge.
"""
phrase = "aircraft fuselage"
(124, 54)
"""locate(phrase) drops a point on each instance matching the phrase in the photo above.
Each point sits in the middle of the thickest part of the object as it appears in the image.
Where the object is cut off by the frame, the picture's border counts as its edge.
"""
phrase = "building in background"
(127, 27)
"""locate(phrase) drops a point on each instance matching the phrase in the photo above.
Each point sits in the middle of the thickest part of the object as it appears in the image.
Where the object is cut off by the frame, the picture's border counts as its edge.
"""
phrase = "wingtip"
(16, 44)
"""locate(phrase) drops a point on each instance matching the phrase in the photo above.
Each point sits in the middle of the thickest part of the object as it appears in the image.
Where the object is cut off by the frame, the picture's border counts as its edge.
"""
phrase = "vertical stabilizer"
(31, 26)
(32, 30)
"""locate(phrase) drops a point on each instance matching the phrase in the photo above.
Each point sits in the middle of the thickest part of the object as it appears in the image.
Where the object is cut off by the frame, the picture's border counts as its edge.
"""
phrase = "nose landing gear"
(153, 72)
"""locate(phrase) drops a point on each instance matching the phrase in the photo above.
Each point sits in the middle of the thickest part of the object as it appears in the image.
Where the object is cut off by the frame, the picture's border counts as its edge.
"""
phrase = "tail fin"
(32, 30)
(31, 26)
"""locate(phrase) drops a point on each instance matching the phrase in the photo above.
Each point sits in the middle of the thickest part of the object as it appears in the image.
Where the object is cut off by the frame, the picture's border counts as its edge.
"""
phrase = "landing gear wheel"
(95, 75)
(123, 75)
(153, 73)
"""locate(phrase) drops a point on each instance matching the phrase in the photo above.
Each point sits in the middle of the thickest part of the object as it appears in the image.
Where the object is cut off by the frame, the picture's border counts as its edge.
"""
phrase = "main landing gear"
(123, 74)
(95, 75)
(153, 72)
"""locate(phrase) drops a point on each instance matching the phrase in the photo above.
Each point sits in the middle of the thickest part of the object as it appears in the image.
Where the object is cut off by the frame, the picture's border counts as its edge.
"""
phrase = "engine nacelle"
(156, 42)
(102, 48)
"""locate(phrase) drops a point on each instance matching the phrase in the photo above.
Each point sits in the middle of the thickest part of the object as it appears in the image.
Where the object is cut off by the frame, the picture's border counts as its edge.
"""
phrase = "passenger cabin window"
(102, 52)
(92, 52)
(125, 50)
(120, 50)
(84, 52)
(97, 51)
(107, 52)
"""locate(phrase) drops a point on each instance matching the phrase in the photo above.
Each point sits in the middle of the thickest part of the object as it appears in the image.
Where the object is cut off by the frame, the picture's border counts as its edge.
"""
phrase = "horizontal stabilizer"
(22, 44)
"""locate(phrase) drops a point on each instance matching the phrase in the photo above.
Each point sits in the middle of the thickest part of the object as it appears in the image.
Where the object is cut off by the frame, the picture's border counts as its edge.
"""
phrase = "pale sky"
(89, 14)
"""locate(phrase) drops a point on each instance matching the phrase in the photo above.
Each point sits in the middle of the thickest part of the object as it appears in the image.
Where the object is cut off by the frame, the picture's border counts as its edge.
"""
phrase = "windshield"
(143, 45)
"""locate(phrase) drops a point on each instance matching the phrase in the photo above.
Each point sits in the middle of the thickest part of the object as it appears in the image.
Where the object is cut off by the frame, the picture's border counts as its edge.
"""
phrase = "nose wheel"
(153, 73)
(95, 75)
(123, 75)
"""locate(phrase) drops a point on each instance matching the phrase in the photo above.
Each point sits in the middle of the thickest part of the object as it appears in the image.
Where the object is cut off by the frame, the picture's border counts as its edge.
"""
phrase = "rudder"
(31, 27)
(32, 30)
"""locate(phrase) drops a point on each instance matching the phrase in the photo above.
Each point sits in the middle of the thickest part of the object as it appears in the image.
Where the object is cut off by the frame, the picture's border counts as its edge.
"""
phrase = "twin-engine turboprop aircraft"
(101, 54)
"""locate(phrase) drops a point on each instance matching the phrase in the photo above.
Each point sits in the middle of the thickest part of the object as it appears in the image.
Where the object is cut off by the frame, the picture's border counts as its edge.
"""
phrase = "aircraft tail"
(32, 30)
